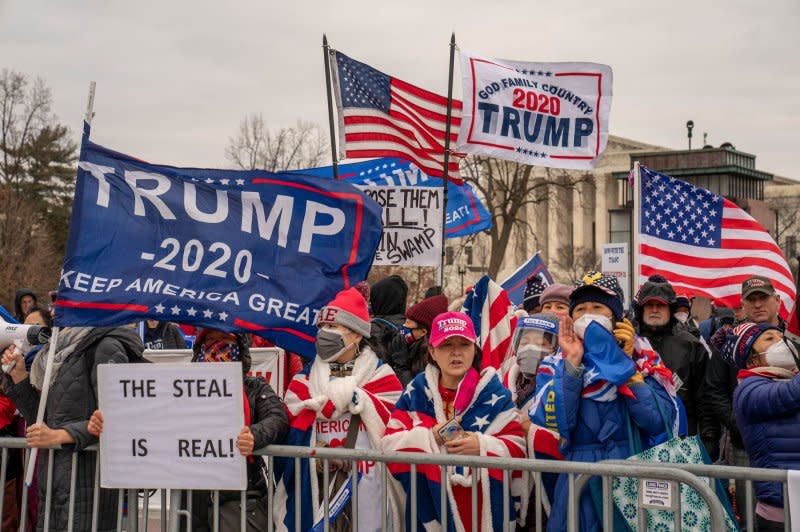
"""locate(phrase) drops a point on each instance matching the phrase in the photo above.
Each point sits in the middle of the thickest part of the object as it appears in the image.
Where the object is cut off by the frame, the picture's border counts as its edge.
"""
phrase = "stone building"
(570, 224)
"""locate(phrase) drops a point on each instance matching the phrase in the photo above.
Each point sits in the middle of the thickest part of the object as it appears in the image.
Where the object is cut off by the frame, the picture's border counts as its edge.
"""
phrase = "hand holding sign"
(245, 441)
(96, 423)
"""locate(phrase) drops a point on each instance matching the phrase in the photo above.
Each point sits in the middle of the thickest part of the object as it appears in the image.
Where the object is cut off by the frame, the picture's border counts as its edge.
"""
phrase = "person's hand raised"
(571, 346)
(625, 334)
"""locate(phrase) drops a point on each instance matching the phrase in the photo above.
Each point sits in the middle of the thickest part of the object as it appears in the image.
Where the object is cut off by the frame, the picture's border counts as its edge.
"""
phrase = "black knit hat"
(533, 290)
(388, 296)
(603, 289)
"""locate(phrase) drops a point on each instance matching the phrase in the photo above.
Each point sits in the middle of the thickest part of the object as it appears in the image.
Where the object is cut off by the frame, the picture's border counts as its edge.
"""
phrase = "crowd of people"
(583, 380)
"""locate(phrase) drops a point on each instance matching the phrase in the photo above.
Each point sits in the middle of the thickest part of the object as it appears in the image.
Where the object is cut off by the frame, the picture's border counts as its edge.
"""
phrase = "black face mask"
(330, 345)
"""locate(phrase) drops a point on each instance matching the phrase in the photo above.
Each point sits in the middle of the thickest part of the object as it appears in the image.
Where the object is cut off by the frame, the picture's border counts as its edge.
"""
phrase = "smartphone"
(451, 430)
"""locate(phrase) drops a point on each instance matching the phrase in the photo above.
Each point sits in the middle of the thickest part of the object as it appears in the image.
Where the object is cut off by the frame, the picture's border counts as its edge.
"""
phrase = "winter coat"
(165, 335)
(686, 357)
(407, 361)
(594, 430)
(768, 413)
(690, 326)
(383, 329)
(22, 292)
(269, 425)
(720, 384)
(70, 403)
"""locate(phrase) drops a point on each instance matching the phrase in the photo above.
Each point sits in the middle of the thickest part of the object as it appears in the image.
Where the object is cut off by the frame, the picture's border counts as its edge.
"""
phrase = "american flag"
(382, 116)
(492, 314)
(705, 243)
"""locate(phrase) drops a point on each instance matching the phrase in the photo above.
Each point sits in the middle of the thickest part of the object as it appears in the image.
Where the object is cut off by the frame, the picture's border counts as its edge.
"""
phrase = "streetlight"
(689, 127)
(462, 271)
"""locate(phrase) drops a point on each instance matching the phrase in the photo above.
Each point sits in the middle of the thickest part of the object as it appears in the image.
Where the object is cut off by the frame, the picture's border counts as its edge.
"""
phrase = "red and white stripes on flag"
(706, 244)
(382, 116)
(492, 314)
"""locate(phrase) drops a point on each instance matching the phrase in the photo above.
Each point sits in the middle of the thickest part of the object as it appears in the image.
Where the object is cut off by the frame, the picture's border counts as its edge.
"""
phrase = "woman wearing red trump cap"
(455, 408)
(347, 385)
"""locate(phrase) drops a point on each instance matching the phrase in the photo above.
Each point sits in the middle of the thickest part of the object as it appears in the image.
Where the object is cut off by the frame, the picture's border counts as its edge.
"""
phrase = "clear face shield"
(531, 346)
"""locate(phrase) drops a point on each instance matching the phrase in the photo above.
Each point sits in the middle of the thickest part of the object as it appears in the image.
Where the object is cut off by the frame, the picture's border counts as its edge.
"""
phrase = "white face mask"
(780, 355)
(528, 358)
(583, 322)
(682, 317)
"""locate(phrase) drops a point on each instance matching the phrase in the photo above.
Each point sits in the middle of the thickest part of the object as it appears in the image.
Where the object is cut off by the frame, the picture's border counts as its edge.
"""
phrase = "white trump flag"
(542, 114)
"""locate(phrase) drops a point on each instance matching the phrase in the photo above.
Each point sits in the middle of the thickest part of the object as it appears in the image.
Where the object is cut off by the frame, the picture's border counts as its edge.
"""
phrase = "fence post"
(608, 506)
(48, 492)
(354, 502)
(174, 507)
(506, 495)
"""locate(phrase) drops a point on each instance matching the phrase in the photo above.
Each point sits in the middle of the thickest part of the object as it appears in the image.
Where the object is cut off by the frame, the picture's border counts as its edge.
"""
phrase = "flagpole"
(636, 229)
(445, 176)
(51, 352)
(326, 53)
(90, 103)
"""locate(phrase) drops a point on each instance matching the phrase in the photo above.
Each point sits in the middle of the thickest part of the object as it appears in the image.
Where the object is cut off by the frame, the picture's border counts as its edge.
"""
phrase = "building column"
(553, 223)
(579, 220)
(601, 209)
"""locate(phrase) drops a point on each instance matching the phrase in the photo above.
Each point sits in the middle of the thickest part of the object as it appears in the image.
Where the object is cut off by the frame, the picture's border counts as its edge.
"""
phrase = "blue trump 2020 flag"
(244, 251)
(516, 282)
(466, 215)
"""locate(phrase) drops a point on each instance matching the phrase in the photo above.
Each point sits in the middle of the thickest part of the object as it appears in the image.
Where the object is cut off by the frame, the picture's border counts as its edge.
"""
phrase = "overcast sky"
(174, 79)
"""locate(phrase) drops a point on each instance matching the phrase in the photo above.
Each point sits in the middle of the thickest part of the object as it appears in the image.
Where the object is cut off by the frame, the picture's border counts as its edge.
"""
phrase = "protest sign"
(412, 225)
(543, 114)
(269, 363)
(246, 251)
(171, 426)
(615, 263)
(466, 215)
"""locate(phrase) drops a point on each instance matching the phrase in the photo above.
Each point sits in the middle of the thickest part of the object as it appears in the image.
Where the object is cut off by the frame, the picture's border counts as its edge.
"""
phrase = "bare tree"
(787, 228)
(508, 188)
(37, 176)
(255, 146)
(787, 220)
(575, 261)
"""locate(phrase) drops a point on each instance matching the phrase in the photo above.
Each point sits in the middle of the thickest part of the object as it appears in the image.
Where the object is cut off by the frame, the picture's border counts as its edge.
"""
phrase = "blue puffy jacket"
(768, 414)
(596, 430)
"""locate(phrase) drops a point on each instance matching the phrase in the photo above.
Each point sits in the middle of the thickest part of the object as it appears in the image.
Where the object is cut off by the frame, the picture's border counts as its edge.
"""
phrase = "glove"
(624, 334)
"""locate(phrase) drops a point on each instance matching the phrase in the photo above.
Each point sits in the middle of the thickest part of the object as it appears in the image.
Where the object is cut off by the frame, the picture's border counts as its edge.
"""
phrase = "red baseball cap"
(451, 324)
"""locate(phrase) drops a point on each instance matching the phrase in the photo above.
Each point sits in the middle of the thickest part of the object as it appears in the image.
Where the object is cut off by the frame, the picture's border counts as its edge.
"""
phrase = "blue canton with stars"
(362, 86)
(677, 211)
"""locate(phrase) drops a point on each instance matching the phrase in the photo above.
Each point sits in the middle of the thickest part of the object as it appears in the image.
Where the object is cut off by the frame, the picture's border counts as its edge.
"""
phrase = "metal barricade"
(536, 467)
(175, 515)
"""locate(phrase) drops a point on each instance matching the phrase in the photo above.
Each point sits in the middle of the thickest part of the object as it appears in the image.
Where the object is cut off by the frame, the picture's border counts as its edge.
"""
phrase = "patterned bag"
(695, 514)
